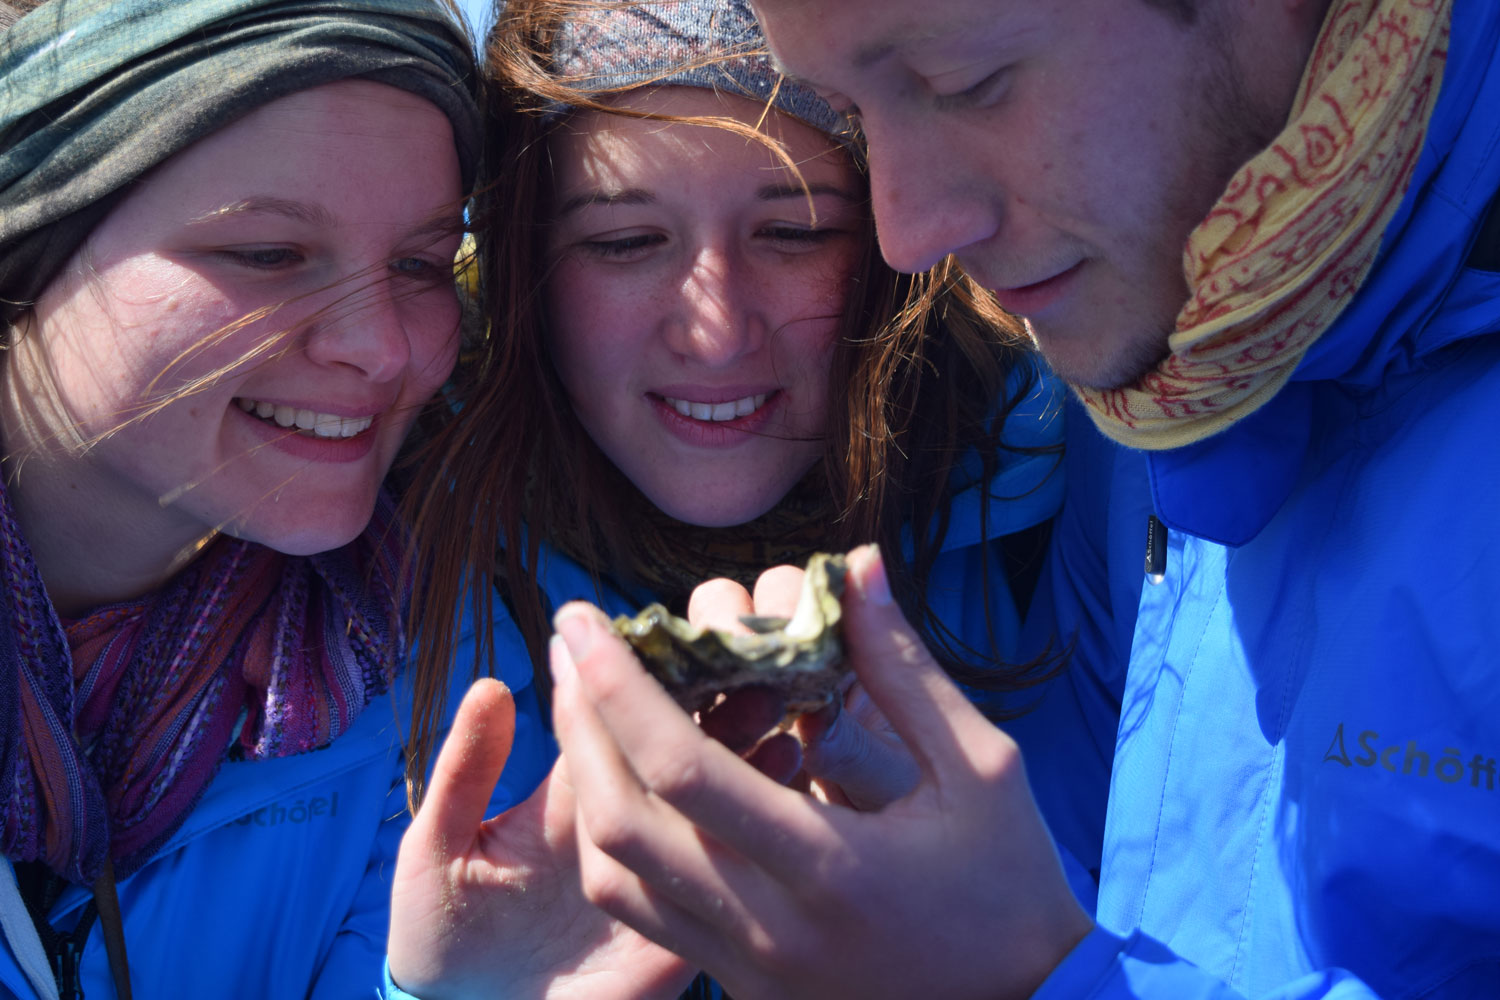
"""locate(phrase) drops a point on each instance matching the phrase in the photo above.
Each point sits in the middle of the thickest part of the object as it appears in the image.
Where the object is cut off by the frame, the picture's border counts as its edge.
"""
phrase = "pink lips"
(1028, 300)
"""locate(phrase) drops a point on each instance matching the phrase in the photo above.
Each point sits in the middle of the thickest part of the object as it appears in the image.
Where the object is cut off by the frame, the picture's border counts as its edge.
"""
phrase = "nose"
(927, 202)
(717, 318)
(361, 326)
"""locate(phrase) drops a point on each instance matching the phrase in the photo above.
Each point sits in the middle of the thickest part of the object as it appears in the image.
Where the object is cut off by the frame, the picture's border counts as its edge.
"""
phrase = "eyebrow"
(640, 196)
(773, 192)
(629, 196)
(301, 211)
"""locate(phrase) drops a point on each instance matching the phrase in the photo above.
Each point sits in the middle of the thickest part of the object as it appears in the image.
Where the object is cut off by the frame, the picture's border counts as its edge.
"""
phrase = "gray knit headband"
(713, 44)
(94, 93)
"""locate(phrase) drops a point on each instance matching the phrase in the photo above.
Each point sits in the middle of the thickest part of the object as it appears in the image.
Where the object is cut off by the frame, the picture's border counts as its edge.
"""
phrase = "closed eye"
(797, 239)
(261, 258)
(984, 92)
(623, 247)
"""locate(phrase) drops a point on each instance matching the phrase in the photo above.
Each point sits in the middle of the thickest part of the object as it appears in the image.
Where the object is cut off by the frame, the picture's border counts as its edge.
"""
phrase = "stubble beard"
(1231, 128)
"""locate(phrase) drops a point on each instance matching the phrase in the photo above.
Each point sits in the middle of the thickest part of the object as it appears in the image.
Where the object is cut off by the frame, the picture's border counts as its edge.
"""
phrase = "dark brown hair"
(919, 381)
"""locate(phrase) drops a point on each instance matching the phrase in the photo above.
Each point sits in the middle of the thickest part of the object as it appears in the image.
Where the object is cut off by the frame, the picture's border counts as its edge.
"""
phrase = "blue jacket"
(278, 884)
(1303, 717)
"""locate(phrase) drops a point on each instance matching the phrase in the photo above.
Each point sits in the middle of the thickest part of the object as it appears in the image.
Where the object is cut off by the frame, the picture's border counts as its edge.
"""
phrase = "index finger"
(940, 727)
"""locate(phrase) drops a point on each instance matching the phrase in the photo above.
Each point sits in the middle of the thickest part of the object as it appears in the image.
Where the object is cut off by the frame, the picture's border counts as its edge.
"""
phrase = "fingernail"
(561, 661)
(572, 623)
(870, 578)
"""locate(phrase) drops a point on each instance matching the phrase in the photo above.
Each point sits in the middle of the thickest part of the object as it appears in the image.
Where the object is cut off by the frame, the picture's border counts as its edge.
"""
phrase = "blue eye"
(410, 265)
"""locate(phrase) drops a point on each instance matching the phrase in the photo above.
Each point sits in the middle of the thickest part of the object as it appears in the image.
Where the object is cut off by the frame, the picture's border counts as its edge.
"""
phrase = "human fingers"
(925, 708)
(718, 604)
(468, 765)
(626, 897)
(777, 590)
(870, 770)
(648, 781)
(639, 860)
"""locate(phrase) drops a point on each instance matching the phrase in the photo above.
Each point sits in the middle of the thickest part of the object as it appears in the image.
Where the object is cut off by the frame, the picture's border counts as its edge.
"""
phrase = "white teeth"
(323, 425)
(717, 411)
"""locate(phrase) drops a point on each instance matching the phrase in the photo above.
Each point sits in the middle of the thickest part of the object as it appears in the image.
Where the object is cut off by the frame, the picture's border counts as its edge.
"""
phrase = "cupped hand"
(494, 907)
(779, 895)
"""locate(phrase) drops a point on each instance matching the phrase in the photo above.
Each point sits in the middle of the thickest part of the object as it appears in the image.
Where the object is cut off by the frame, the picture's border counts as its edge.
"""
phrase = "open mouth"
(309, 423)
(717, 412)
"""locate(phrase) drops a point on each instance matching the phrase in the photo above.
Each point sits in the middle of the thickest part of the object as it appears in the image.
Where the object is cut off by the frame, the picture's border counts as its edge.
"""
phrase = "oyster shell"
(803, 657)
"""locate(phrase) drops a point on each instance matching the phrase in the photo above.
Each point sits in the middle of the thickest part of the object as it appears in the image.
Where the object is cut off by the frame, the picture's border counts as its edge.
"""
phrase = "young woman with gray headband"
(698, 366)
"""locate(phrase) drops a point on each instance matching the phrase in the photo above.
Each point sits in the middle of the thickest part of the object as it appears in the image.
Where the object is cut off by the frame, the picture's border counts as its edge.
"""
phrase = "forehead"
(807, 35)
(366, 149)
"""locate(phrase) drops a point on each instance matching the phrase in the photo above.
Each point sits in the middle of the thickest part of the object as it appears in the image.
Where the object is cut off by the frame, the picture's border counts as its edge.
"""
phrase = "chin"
(302, 541)
(706, 513)
(1101, 362)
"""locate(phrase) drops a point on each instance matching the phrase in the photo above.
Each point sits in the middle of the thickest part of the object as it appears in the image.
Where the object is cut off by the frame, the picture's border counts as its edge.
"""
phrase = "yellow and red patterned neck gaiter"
(1296, 231)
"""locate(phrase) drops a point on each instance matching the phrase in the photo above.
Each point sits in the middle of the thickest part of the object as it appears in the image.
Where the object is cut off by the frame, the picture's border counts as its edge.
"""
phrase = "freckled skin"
(719, 301)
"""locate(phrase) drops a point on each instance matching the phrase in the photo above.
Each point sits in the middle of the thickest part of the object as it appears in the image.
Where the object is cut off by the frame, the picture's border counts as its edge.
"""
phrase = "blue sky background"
(478, 13)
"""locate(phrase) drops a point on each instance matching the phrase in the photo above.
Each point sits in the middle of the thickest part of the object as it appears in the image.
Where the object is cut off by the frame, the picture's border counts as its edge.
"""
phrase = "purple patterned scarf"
(111, 727)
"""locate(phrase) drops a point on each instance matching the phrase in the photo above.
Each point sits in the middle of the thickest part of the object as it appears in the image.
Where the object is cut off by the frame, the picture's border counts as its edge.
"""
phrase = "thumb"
(469, 765)
(924, 707)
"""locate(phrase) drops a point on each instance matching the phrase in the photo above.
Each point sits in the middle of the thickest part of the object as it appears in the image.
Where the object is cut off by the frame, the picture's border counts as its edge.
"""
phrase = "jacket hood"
(1418, 299)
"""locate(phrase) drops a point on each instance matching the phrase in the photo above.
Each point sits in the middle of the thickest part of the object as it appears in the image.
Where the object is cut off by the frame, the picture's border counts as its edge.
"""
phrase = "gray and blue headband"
(713, 44)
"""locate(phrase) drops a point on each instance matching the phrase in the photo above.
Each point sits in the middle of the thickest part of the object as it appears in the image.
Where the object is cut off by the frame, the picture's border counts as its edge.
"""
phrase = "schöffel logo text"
(1447, 764)
(293, 811)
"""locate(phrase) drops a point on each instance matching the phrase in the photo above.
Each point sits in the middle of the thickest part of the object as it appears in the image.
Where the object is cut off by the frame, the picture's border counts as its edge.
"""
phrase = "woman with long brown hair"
(697, 365)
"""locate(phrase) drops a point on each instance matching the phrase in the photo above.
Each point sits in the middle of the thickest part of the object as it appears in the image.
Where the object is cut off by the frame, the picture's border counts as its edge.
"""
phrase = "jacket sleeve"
(1105, 966)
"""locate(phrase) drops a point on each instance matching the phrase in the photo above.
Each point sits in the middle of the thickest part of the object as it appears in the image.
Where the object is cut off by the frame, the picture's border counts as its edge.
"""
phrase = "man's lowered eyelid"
(975, 95)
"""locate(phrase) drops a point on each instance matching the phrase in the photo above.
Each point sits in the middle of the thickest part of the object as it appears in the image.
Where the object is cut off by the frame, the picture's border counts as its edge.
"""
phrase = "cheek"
(588, 348)
(435, 347)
